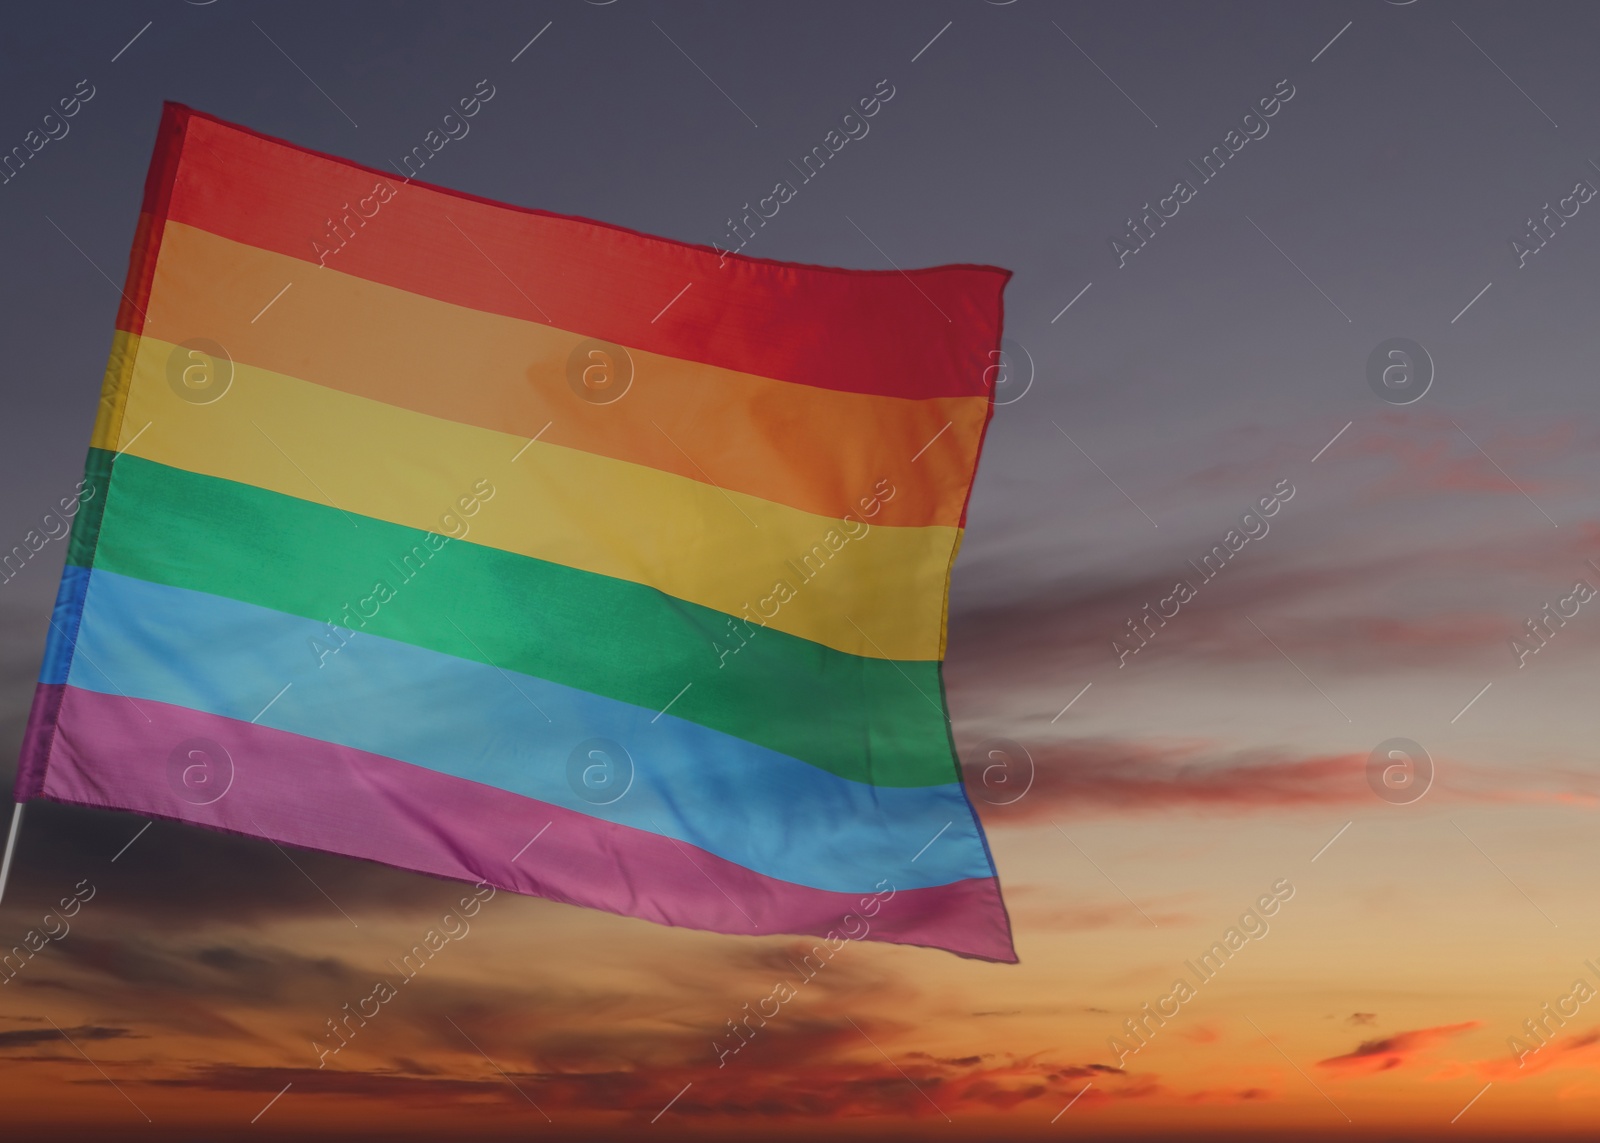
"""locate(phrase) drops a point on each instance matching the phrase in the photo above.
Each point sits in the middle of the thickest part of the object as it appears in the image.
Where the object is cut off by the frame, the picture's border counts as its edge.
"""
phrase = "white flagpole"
(11, 845)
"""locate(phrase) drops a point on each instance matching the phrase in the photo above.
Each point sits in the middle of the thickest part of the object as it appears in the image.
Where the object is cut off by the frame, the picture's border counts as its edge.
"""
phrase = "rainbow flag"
(518, 548)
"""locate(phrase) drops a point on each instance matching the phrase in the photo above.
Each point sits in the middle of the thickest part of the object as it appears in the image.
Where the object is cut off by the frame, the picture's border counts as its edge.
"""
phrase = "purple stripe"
(36, 741)
(120, 753)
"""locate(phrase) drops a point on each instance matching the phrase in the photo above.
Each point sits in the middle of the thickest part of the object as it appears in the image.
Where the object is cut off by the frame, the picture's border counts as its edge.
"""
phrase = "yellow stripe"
(108, 416)
(868, 590)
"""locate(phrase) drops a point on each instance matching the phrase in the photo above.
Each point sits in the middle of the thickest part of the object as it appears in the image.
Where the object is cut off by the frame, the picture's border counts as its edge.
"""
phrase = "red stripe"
(926, 333)
(115, 752)
(158, 183)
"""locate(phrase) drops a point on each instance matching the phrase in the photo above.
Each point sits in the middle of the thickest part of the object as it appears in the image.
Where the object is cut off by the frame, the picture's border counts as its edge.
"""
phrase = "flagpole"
(11, 845)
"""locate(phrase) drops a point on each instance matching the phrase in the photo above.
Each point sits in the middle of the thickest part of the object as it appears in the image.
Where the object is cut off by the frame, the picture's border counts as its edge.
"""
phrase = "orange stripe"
(818, 450)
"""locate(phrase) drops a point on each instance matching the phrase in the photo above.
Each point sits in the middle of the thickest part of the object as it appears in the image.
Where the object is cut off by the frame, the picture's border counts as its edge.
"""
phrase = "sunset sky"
(1141, 794)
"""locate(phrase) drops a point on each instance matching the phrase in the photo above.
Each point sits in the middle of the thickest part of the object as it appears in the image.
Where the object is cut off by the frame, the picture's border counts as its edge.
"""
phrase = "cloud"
(1067, 777)
(312, 1081)
(1395, 1051)
(1093, 774)
(1344, 602)
(814, 1069)
(425, 1051)
(1430, 452)
(232, 990)
(184, 876)
(32, 1037)
(1580, 1050)
(1080, 624)
(1239, 1095)
(425, 1048)
(1034, 907)
(1084, 918)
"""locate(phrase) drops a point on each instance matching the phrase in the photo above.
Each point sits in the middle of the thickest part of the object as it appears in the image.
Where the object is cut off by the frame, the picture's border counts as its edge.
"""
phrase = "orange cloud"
(846, 1084)
(1579, 1050)
(1391, 1052)
(1244, 1095)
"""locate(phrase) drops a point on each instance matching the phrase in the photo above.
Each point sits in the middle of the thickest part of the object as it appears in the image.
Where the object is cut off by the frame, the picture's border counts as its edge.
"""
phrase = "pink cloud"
(1119, 775)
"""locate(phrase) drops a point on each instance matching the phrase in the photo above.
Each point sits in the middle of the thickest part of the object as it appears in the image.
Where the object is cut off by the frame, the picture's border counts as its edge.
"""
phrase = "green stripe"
(91, 507)
(870, 720)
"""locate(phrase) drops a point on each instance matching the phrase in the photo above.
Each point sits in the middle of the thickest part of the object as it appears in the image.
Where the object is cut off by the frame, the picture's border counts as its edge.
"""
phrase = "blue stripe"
(64, 624)
(766, 811)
